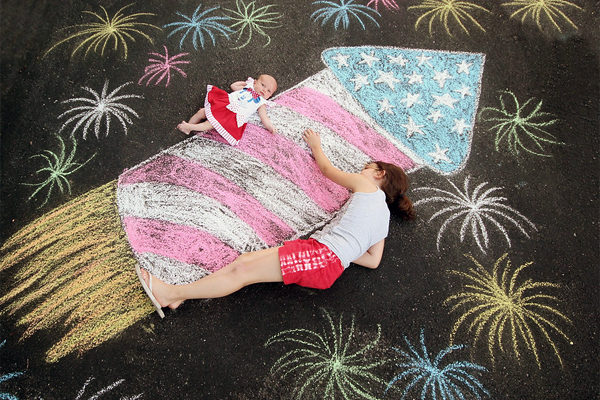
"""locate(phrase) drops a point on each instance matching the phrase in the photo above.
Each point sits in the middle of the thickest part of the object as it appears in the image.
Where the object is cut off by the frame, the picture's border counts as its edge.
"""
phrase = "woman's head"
(395, 184)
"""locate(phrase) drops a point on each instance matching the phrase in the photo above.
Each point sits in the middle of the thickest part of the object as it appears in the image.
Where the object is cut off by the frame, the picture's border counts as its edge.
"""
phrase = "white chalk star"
(341, 59)
(439, 155)
(387, 78)
(359, 81)
(412, 128)
(459, 126)
(400, 60)
(414, 78)
(423, 59)
(435, 115)
(441, 77)
(464, 91)
(445, 100)
(368, 59)
(385, 106)
(464, 67)
(411, 99)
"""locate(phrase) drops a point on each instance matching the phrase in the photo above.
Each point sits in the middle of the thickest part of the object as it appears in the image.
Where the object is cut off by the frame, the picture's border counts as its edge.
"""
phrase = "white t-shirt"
(243, 104)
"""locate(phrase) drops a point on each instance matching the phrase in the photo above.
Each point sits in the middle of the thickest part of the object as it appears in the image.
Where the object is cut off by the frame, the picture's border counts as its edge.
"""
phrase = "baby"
(228, 113)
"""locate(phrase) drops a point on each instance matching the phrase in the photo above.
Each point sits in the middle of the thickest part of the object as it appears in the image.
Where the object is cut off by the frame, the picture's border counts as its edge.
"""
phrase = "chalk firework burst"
(101, 107)
(328, 363)
(163, 63)
(501, 306)
(521, 126)
(476, 209)
(199, 25)
(449, 381)
(342, 12)
(248, 18)
(119, 29)
(448, 10)
(541, 10)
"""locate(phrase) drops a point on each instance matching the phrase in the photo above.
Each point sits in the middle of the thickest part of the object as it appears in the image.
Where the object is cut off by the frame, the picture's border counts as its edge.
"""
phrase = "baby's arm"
(239, 85)
(262, 113)
(372, 257)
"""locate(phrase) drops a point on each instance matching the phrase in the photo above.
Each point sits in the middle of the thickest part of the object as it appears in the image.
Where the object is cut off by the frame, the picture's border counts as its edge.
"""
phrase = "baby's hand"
(272, 129)
(312, 138)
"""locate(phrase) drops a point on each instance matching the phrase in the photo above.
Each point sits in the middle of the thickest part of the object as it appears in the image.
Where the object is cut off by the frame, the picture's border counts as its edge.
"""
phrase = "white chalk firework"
(101, 107)
(476, 209)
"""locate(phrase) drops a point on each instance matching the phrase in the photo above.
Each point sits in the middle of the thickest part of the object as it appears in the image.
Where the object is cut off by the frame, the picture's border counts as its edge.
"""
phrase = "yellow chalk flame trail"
(73, 268)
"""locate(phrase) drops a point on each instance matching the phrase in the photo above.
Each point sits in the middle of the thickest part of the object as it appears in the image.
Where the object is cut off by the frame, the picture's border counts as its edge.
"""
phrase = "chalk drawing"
(388, 4)
(342, 12)
(162, 63)
(199, 25)
(6, 377)
(265, 190)
(104, 390)
(476, 209)
(543, 11)
(436, 379)
(444, 11)
(500, 304)
(73, 268)
(521, 126)
(426, 99)
(328, 363)
(96, 35)
(59, 167)
(99, 110)
(249, 19)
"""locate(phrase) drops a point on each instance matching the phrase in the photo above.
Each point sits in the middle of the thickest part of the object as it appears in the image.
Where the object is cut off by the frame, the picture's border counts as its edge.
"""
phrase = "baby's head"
(265, 86)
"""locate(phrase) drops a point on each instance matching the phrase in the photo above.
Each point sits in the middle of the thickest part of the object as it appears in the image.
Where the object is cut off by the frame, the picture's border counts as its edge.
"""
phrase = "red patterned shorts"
(309, 263)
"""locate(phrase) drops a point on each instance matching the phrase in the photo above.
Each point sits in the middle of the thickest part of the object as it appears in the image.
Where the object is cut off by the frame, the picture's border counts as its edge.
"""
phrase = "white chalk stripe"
(170, 270)
(275, 193)
(292, 124)
(179, 205)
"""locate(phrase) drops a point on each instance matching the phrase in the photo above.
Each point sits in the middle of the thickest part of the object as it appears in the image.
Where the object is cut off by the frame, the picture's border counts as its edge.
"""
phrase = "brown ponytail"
(395, 185)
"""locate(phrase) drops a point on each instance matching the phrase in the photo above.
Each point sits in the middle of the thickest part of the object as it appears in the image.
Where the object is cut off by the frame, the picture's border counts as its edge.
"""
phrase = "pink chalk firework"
(160, 67)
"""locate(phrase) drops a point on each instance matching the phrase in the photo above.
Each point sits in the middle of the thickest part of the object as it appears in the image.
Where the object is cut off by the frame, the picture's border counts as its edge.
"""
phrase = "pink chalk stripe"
(323, 109)
(293, 163)
(182, 243)
(177, 171)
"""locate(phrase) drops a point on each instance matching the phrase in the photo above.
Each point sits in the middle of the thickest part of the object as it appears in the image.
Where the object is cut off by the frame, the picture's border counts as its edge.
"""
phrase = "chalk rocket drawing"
(194, 207)
(191, 209)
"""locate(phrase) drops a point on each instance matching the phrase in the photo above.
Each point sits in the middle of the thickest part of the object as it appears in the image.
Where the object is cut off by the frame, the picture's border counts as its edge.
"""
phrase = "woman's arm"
(372, 257)
(239, 85)
(354, 182)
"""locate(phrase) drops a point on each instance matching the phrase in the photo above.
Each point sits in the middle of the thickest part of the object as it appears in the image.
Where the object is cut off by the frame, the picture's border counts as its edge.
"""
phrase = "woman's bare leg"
(249, 268)
(187, 128)
(199, 116)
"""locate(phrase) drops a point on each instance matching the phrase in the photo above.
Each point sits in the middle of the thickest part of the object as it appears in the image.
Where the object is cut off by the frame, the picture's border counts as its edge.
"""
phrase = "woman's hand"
(312, 138)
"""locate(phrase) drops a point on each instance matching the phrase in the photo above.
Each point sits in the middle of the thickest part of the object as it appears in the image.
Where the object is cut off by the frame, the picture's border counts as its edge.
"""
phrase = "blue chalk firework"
(199, 25)
(436, 380)
(5, 377)
(342, 12)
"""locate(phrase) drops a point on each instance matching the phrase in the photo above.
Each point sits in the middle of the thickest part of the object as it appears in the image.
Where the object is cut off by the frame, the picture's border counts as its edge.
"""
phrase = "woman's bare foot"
(185, 127)
(159, 290)
(173, 306)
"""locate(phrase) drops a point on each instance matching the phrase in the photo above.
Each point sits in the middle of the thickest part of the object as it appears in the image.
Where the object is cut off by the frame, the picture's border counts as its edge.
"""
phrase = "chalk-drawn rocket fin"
(425, 99)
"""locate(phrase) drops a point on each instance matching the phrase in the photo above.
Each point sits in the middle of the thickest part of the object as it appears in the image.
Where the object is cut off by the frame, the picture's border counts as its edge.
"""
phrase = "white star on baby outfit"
(414, 78)
(368, 59)
(445, 100)
(412, 128)
(441, 77)
(464, 91)
(411, 99)
(359, 81)
(400, 60)
(423, 59)
(459, 126)
(385, 106)
(387, 78)
(464, 67)
(341, 59)
(439, 155)
(435, 115)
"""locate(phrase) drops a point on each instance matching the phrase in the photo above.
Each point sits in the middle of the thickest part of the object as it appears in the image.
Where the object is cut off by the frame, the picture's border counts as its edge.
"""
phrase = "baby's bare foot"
(184, 127)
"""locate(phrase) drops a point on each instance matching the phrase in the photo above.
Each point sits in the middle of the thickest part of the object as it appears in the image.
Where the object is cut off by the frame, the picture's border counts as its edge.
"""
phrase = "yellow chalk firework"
(72, 268)
(119, 29)
(536, 10)
(501, 307)
(445, 10)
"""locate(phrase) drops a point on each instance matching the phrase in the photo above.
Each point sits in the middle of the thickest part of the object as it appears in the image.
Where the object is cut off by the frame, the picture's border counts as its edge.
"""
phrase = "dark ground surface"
(215, 349)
